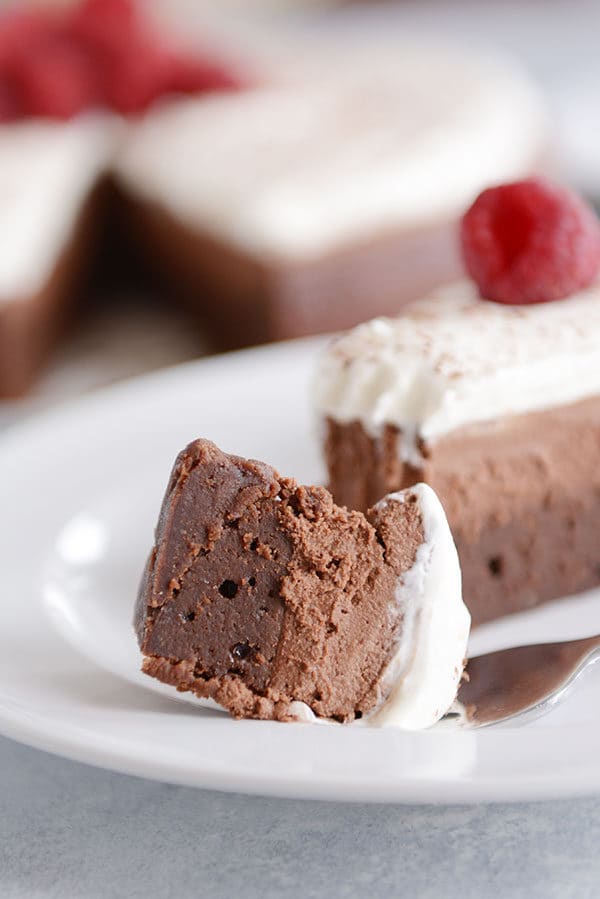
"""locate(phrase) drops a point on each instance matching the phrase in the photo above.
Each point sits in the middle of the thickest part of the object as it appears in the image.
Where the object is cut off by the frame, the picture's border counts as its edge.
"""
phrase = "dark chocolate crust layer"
(522, 496)
(260, 592)
(248, 299)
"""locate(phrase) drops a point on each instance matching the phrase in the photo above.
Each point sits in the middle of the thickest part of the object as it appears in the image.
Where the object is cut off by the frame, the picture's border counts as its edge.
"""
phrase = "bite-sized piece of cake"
(330, 192)
(496, 406)
(265, 596)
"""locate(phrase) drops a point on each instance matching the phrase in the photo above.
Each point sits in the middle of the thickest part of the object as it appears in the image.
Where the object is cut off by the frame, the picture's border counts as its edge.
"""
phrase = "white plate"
(80, 490)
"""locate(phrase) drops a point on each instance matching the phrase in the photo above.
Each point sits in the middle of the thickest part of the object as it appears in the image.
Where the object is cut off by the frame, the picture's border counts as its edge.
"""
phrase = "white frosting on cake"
(47, 170)
(453, 359)
(336, 147)
(421, 680)
(425, 672)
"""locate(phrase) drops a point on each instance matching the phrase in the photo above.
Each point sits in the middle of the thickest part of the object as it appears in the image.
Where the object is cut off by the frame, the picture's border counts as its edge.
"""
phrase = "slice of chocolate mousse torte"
(266, 597)
(489, 391)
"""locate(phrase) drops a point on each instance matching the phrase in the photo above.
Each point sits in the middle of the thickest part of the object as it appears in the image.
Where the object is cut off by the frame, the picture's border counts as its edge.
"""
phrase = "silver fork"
(521, 683)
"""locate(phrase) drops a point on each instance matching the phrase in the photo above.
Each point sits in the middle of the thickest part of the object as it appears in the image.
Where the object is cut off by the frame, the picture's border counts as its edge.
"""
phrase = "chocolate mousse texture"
(521, 495)
(260, 592)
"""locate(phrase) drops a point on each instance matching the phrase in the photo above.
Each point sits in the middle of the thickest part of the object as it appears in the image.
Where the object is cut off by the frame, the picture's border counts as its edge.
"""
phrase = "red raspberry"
(530, 242)
(99, 53)
(104, 24)
(113, 12)
(136, 79)
(10, 106)
(57, 81)
(133, 63)
(20, 30)
(107, 29)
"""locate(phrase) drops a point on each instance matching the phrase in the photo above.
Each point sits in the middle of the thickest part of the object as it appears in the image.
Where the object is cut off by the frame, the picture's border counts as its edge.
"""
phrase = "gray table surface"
(73, 832)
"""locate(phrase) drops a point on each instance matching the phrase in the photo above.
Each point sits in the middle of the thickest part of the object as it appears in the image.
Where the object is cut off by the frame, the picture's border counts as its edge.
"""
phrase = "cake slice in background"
(496, 405)
(267, 597)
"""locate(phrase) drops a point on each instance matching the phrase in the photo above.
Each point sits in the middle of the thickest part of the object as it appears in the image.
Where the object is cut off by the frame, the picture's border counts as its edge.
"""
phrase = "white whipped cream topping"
(427, 667)
(422, 679)
(453, 359)
(47, 170)
(334, 147)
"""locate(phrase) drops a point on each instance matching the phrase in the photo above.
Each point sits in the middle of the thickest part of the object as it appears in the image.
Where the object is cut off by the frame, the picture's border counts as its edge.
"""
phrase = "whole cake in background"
(489, 391)
(266, 597)
(288, 193)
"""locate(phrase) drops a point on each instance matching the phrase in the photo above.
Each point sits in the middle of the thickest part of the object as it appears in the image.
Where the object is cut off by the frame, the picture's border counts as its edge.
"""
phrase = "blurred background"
(132, 326)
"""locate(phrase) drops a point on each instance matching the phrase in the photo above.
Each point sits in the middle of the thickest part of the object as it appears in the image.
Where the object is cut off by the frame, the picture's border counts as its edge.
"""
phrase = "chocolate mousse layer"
(263, 594)
(522, 496)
